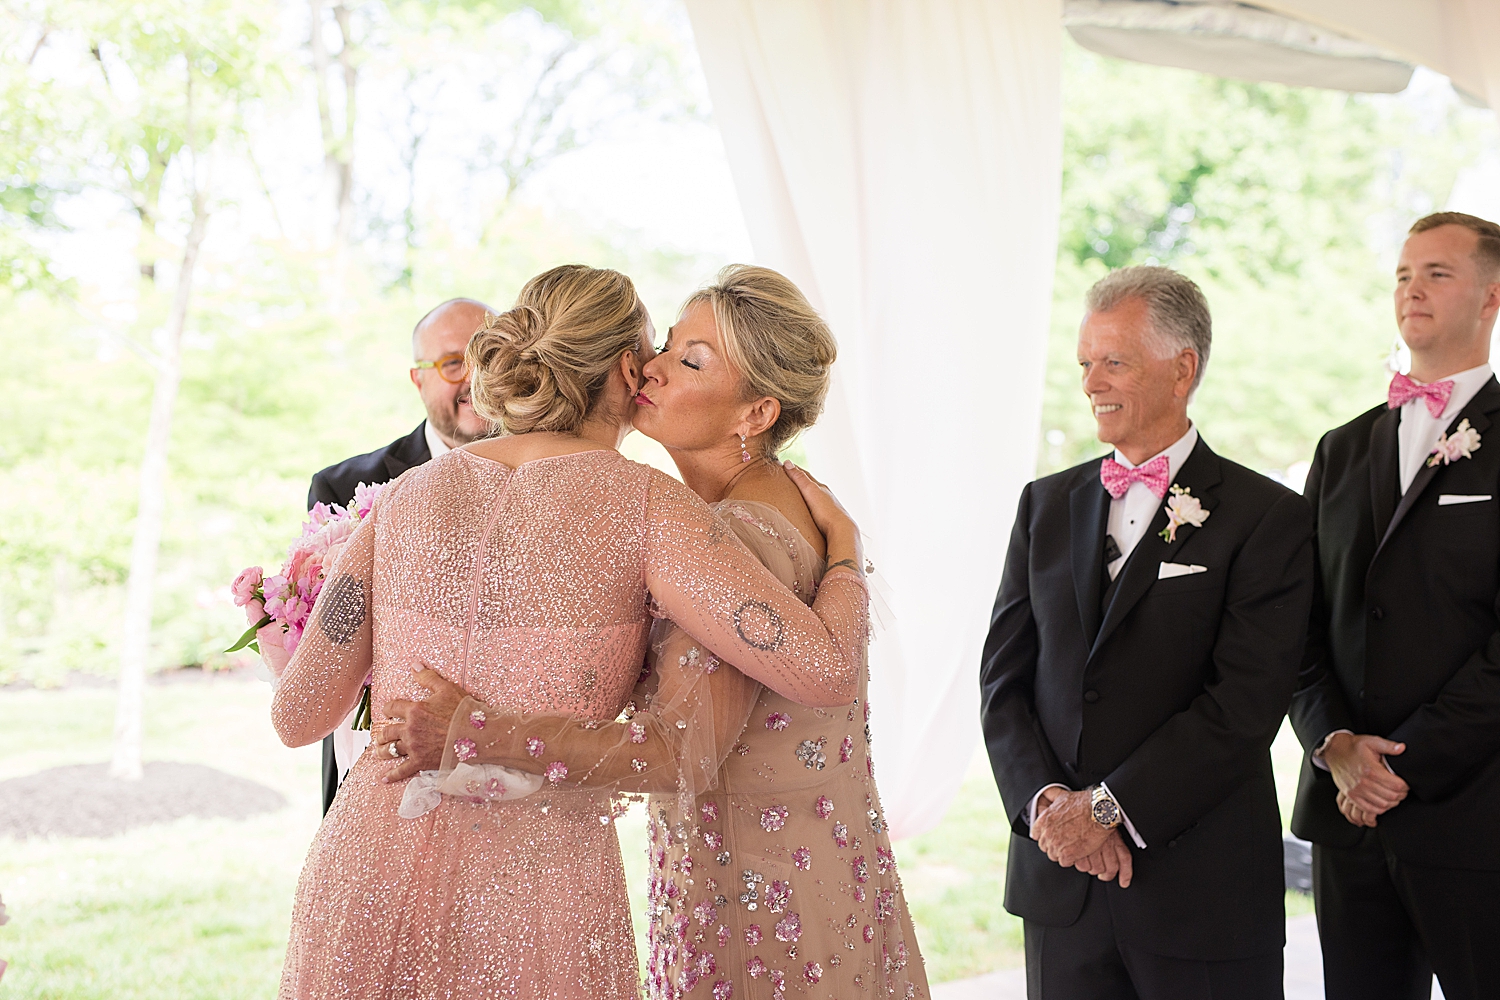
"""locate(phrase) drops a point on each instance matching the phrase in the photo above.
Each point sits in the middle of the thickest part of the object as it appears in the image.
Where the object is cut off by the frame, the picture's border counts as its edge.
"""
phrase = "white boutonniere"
(1182, 508)
(1462, 443)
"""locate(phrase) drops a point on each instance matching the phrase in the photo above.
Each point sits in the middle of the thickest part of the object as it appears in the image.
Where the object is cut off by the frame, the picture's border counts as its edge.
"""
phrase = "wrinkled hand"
(1111, 861)
(1361, 774)
(1065, 828)
(419, 728)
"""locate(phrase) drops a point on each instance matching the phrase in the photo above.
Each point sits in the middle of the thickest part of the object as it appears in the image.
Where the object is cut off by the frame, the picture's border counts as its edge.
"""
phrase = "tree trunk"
(136, 640)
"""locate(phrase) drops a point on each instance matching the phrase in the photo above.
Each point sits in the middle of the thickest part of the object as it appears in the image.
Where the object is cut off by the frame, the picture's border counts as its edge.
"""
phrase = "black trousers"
(1086, 961)
(330, 774)
(1386, 926)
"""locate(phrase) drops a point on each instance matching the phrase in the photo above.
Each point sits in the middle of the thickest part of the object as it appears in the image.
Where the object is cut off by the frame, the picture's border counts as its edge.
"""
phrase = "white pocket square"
(1168, 570)
(1448, 499)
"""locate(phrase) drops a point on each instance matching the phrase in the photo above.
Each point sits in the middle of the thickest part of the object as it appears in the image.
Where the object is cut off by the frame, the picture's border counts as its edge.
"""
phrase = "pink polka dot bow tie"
(1153, 475)
(1403, 390)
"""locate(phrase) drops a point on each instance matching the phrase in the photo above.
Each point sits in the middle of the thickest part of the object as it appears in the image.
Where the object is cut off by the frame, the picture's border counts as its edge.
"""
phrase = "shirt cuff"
(1031, 807)
(1129, 826)
(1317, 751)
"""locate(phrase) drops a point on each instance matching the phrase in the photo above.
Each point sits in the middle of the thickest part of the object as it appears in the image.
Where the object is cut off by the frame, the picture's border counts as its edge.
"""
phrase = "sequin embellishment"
(772, 818)
(464, 749)
(535, 747)
(777, 721)
(637, 733)
(824, 807)
(811, 753)
(477, 719)
(789, 928)
(802, 858)
(556, 771)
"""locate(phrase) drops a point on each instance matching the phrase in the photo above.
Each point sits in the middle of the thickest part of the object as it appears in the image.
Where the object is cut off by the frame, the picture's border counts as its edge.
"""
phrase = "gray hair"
(1176, 307)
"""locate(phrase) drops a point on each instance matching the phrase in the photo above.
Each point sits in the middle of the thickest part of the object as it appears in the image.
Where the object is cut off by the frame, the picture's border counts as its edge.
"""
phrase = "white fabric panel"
(1459, 38)
(900, 161)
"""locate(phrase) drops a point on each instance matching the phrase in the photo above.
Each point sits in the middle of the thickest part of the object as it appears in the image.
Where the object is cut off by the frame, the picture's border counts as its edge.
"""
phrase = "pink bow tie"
(1154, 475)
(1403, 390)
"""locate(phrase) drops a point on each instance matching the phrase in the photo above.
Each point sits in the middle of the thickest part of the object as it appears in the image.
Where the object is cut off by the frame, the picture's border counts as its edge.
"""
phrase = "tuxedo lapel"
(1088, 522)
(1485, 401)
(1198, 475)
(411, 450)
(1385, 477)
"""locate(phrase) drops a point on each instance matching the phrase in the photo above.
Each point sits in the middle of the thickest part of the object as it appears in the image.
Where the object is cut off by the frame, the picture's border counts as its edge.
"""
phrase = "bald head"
(443, 332)
(453, 317)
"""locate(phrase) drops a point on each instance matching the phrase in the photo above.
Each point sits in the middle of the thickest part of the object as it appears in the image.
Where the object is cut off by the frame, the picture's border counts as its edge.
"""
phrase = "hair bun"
(542, 365)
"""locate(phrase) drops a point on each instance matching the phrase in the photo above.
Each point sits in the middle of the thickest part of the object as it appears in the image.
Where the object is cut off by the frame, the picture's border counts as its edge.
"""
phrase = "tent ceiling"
(1234, 40)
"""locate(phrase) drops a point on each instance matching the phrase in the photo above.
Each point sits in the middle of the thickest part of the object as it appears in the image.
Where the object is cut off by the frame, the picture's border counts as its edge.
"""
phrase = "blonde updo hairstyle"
(777, 342)
(544, 364)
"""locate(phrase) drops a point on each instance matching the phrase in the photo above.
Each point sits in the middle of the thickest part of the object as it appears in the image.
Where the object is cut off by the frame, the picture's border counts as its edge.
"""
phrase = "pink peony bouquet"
(279, 606)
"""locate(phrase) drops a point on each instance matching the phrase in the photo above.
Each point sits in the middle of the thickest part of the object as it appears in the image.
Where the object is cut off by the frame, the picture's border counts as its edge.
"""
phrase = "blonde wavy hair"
(777, 342)
(543, 365)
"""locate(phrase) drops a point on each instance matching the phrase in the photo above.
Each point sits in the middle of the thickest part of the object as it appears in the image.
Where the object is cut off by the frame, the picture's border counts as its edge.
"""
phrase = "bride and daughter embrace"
(586, 627)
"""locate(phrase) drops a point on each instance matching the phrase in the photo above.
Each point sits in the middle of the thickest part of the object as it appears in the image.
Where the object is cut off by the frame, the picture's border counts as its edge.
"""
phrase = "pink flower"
(464, 749)
(246, 586)
(778, 895)
(756, 967)
(846, 749)
(789, 928)
(861, 869)
(824, 807)
(752, 935)
(364, 499)
(841, 834)
(556, 771)
(710, 811)
(477, 719)
(713, 839)
(1462, 443)
(802, 859)
(535, 747)
(723, 989)
(869, 934)
(777, 721)
(885, 860)
(812, 972)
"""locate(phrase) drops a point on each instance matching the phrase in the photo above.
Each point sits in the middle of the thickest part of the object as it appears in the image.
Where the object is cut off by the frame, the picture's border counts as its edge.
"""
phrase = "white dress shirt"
(1416, 436)
(436, 445)
(1420, 430)
(1132, 514)
(1129, 517)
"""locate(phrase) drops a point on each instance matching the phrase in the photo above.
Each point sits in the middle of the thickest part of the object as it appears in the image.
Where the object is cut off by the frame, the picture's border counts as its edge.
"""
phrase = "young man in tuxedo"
(1141, 655)
(438, 372)
(1399, 698)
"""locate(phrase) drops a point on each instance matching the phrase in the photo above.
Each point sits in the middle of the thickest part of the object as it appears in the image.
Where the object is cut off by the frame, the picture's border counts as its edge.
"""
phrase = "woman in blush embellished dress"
(520, 567)
(771, 871)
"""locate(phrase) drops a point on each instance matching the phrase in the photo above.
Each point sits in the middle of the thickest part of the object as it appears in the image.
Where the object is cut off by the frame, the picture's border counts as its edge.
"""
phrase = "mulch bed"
(82, 800)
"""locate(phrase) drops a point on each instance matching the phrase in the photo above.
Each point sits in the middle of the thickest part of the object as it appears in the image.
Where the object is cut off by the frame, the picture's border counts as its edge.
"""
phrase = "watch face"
(1106, 813)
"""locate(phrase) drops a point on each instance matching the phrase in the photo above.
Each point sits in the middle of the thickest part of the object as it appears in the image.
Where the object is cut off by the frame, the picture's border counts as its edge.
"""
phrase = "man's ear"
(1187, 371)
(762, 416)
(416, 378)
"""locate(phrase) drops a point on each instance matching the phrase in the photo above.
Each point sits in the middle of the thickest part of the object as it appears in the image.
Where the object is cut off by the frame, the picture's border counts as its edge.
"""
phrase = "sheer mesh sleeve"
(681, 722)
(702, 578)
(684, 717)
(323, 681)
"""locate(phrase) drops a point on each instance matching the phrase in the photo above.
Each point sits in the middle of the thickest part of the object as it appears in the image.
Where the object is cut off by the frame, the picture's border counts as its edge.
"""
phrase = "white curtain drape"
(900, 161)
(1459, 38)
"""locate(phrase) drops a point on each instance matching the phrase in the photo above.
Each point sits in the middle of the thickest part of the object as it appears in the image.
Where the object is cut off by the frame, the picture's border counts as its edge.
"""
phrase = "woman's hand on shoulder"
(831, 518)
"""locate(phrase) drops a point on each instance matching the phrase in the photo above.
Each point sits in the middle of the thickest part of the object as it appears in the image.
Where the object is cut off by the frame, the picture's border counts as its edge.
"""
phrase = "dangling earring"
(744, 455)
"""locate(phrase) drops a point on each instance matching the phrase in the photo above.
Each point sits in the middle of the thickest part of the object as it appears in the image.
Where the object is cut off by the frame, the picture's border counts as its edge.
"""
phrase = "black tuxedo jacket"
(1171, 696)
(1405, 637)
(336, 484)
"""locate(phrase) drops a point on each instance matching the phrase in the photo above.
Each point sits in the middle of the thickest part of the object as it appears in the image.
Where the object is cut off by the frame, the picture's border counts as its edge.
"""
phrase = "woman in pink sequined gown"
(521, 567)
(771, 871)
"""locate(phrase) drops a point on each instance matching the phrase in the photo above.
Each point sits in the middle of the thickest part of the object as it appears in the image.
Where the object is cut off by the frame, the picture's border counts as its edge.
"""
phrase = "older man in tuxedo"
(442, 380)
(1141, 655)
(1399, 699)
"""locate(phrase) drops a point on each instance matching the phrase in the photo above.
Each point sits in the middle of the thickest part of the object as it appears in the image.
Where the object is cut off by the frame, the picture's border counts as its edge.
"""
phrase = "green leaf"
(248, 639)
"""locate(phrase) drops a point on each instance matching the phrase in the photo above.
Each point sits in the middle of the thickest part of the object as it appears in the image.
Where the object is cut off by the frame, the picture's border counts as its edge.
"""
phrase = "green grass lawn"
(199, 908)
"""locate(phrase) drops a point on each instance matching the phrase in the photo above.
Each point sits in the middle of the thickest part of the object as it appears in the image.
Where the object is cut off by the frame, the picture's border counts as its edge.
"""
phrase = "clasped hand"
(419, 729)
(1065, 829)
(1367, 787)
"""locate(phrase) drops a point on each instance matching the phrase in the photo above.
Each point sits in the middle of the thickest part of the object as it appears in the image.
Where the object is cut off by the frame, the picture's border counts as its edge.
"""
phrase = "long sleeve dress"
(529, 587)
(771, 871)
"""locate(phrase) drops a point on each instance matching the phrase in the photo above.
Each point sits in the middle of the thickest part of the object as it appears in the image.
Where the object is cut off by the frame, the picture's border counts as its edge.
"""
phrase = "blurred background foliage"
(394, 157)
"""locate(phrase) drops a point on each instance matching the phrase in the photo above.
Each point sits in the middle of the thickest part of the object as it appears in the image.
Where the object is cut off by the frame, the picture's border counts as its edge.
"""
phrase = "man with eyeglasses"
(442, 379)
